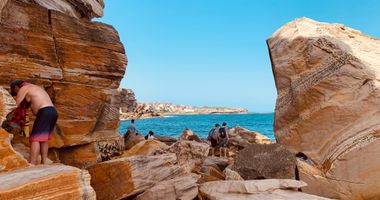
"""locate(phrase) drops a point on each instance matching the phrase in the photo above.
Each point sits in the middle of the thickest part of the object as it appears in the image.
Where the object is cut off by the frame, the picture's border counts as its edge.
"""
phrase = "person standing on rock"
(213, 137)
(131, 129)
(223, 140)
(32, 96)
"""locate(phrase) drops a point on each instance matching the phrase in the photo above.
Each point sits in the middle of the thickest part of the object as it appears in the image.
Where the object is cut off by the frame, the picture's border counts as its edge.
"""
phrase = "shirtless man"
(46, 117)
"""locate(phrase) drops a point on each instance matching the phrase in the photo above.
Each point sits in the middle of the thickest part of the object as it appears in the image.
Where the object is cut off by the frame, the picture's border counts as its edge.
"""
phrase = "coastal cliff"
(327, 78)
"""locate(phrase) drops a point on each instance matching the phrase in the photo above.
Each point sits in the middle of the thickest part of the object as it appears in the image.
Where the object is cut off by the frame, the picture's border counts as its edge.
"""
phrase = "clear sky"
(213, 52)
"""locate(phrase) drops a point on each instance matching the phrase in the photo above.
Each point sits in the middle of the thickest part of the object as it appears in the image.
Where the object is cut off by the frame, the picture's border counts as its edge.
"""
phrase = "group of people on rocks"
(218, 136)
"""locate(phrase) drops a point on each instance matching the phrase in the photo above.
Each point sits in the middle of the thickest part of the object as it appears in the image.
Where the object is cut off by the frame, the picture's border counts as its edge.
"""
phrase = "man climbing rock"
(32, 96)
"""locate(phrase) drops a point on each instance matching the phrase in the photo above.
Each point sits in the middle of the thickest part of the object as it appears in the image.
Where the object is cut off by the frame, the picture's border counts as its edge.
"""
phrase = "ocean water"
(173, 125)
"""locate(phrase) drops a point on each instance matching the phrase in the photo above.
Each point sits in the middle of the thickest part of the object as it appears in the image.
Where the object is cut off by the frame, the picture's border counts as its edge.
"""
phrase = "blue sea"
(173, 125)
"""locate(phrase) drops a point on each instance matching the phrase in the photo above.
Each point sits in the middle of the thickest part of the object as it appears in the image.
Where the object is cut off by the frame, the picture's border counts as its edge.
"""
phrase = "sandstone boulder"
(190, 152)
(46, 182)
(283, 189)
(125, 177)
(79, 63)
(166, 139)
(146, 148)
(264, 161)
(327, 79)
(232, 175)
(131, 140)
(218, 162)
(9, 158)
(241, 137)
(188, 134)
(80, 8)
(182, 188)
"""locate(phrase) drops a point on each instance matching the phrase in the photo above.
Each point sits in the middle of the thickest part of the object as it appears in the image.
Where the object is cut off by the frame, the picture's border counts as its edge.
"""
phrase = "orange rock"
(190, 152)
(80, 63)
(146, 148)
(9, 158)
(58, 182)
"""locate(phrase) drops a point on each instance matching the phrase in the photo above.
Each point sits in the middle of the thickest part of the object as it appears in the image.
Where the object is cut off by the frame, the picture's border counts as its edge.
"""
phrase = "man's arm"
(21, 94)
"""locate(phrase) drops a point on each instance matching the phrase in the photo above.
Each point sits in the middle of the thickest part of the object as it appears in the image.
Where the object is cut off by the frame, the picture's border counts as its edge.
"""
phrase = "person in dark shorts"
(213, 137)
(37, 99)
(223, 140)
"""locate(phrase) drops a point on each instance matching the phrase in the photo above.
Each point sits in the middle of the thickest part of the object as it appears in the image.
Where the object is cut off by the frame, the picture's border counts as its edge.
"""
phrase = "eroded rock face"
(279, 189)
(147, 148)
(184, 188)
(327, 78)
(190, 152)
(124, 177)
(258, 161)
(9, 158)
(46, 182)
(80, 64)
(87, 9)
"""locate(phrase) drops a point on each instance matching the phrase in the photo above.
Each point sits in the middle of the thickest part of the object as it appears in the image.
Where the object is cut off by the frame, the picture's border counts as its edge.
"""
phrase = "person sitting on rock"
(213, 137)
(150, 136)
(223, 140)
(131, 129)
(46, 116)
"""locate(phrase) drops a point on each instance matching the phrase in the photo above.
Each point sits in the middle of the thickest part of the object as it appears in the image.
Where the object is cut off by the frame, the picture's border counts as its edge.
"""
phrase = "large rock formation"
(190, 152)
(80, 63)
(259, 161)
(327, 77)
(275, 189)
(46, 182)
(125, 177)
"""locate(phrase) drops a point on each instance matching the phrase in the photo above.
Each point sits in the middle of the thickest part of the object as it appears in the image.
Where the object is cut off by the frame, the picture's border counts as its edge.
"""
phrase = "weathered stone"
(183, 188)
(166, 139)
(9, 158)
(327, 79)
(128, 102)
(258, 161)
(279, 189)
(188, 134)
(241, 137)
(146, 148)
(232, 175)
(46, 182)
(190, 152)
(79, 63)
(131, 140)
(125, 177)
(217, 162)
(79, 8)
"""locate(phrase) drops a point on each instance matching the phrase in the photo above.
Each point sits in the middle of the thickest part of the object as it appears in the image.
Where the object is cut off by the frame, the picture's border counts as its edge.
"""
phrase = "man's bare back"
(34, 94)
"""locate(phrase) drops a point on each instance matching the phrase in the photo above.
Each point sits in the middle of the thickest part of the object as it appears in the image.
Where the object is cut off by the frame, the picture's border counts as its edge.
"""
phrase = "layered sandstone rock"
(128, 101)
(190, 152)
(76, 8)
(131, 140)
(9, 158)
(284, 189)
(258, 161)
(327, 77)
(242, 137)
(46, 182)
(80, 63)
(125, 177)
(183, 188)
(146, 148)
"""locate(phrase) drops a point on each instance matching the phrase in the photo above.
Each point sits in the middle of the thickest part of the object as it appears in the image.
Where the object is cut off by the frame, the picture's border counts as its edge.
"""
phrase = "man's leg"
(34, 152)
(220, 151)
(44, 151)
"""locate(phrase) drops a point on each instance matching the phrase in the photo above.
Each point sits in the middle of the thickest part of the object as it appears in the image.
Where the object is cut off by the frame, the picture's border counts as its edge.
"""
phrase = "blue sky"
(213, 52)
